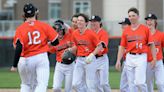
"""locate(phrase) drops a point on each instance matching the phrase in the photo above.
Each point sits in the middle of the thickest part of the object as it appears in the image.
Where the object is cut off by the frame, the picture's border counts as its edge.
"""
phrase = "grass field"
(12, 80)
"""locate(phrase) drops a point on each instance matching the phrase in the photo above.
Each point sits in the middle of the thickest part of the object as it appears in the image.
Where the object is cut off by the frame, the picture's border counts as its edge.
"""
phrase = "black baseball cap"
(151, 16)
(30, 10)
(95, 18)
(126, 21)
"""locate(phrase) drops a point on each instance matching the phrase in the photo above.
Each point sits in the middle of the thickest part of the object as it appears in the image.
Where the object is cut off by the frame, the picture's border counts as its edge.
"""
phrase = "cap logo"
(29, 11)
(93, 17)
(150, 15)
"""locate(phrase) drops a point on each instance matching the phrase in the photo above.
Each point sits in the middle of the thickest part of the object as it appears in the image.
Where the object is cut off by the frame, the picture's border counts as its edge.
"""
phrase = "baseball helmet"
(59, 26)
(30, 10)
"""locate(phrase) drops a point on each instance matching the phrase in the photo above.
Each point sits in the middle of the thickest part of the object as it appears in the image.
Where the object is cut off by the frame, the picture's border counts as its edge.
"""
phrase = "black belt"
(82, 56)
(135, 53)
(97, 56)
(67, 63)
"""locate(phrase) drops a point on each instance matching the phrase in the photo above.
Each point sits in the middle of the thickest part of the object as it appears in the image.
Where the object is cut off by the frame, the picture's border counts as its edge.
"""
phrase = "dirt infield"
(49, 90)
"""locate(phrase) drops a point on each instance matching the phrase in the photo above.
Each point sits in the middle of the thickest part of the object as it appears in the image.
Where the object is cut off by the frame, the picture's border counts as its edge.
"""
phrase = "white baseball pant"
(63, 71)
(79, 75)
(103, 74)
(34, 69)
(123, 80)
(91, 77)
(158, 73)
(136, 71)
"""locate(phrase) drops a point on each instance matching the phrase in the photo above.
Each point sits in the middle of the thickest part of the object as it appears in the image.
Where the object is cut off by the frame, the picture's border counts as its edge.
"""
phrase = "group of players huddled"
(141, 49)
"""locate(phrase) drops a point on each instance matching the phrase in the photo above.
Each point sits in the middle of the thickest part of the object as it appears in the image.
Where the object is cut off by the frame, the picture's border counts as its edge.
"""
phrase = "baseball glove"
(68, 57)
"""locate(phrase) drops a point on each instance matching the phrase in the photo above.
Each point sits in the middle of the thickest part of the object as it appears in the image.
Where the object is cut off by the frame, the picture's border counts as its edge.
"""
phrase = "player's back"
(34, 36)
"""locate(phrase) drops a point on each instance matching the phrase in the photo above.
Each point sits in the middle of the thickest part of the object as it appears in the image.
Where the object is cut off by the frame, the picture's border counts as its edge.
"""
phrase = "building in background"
(111, 11)
(62, 8)
(7, 9)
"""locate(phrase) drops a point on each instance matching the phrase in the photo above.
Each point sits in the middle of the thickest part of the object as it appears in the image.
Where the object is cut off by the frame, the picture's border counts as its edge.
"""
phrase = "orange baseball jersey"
(136, 41)
(158, 39)
(86, 42)
(70, 30)
(63, 45)
(34, 37)
(103, 37)
(163, 40)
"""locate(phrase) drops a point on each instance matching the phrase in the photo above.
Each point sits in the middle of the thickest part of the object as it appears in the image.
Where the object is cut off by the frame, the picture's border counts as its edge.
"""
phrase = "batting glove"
(90, 58)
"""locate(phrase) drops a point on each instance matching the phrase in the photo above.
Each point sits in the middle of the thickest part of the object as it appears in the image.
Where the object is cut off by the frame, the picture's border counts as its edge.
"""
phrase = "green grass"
(12, 80)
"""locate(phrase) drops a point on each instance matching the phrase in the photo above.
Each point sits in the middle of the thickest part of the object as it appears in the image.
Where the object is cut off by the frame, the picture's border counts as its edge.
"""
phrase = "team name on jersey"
(82, 42)
(134, 38)
(157, 43)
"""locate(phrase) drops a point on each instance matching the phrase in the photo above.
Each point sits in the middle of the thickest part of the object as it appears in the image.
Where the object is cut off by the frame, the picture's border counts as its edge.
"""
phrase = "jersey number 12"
(34, 37)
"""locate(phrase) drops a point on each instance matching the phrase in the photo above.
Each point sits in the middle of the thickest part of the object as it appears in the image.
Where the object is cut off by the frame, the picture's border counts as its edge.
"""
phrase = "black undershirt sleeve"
(18, 51)
(54, 43)
(103, 45)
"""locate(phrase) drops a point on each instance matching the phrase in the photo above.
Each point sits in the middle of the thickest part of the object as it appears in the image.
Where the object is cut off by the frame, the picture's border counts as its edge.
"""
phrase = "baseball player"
(123, 80)
(158, 71)
(87, 46)
(30, 42)
(62, 70)
(136, 39)
(73, 27)
(74, 22)
(100, 66)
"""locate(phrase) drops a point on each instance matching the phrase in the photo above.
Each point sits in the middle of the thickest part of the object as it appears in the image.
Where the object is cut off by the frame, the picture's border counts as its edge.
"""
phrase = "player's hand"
(118, 66)
(153, 63)
(13, 69)
(66, 50)
(90, 58)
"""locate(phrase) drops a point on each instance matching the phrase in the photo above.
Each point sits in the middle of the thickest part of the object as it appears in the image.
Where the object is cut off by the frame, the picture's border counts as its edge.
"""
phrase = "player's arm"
(92, 56)
(51, 50)
(152, 48)
(121, 51)
(101, 43)
(104, 39)
(98, 48)
(55, 42)
(52, 35)
(18, 50)
(73, 49)
(153, 51)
